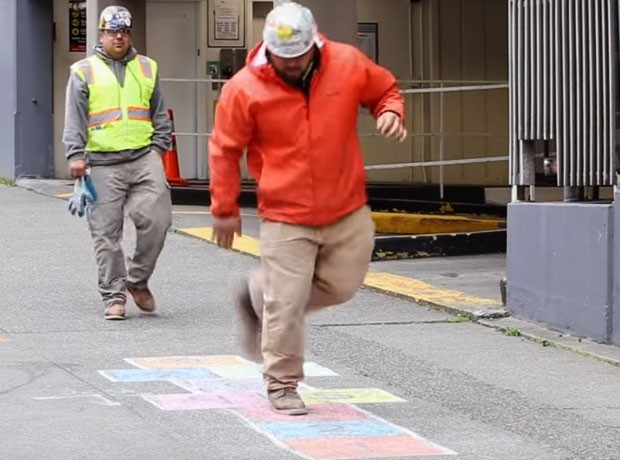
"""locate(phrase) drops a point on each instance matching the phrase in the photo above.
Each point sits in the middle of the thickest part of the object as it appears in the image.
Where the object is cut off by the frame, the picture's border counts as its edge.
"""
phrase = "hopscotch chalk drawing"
(335, 428)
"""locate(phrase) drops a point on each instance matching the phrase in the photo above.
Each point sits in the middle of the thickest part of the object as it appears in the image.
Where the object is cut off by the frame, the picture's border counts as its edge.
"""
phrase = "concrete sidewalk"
(466, 286)
(386, 378)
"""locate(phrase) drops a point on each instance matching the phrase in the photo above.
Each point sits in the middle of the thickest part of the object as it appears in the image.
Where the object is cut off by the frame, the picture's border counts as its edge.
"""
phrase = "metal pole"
(438, 163)
(453, 89)
(441, 144)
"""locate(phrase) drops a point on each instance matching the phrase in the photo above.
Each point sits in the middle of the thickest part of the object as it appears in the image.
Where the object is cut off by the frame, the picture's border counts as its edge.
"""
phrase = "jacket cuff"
(76, 156)
(224, 213)
(399, 114)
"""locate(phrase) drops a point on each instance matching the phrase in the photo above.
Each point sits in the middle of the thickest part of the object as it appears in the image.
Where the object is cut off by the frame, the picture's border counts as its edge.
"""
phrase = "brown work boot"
(249, 322)
(115, 311)
(143, 298)
(287, 401)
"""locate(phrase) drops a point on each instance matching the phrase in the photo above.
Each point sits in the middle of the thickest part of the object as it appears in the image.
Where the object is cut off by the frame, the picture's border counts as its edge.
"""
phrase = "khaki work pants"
(303, 269)
(138, 188)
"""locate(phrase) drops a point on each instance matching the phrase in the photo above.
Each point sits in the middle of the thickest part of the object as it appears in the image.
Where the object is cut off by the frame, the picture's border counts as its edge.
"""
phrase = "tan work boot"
(287, 401)
(249, 322)
(115, 311)
(143, 298)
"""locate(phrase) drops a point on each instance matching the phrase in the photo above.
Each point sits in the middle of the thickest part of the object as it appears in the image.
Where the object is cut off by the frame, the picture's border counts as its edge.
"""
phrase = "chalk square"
(370, 447)
(315, 370)
(245, 370)
(220, 385)
(329, 429)
(198, 401)
(316, 413)
(185, 361)
(152, 375)
(349, 396)
(250, 370)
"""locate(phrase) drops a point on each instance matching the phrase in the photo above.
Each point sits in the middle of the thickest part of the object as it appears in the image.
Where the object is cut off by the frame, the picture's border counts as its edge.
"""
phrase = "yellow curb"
(245, 244)
(424, 292)
(399, 285)
(427, 224)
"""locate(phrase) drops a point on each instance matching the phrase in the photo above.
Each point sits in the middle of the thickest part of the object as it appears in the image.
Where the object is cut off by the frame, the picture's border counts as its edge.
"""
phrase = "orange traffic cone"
(171, 160)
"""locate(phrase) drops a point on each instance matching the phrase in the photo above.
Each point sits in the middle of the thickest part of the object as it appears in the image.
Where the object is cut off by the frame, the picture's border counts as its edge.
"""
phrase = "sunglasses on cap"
(115, 32)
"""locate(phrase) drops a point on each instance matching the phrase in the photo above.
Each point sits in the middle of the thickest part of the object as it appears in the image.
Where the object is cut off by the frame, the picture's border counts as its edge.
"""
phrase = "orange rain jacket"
(303, 151)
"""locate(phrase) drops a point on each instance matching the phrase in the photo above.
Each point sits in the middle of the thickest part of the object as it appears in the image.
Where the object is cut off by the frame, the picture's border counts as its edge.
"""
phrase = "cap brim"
(316, 42)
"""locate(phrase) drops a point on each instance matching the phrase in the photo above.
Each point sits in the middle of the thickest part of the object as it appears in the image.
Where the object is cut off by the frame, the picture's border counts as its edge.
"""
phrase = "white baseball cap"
(290, 30)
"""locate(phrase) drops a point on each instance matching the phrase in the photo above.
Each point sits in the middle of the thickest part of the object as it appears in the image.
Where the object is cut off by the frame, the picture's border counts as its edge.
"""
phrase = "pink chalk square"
(370, 447)
(316, 413)
(196, 401)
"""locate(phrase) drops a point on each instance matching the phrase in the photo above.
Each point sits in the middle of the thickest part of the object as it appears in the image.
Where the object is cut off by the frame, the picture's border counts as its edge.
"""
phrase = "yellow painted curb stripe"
(424, 292)
(64, 195)
(426, 224)
(245, 244)
(396, 284)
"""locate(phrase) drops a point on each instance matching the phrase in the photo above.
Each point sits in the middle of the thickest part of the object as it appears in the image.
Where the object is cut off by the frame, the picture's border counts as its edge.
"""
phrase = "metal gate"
(563, 89)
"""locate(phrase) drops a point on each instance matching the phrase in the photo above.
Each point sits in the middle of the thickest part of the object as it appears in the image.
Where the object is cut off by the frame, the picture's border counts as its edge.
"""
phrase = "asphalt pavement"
(386, 377)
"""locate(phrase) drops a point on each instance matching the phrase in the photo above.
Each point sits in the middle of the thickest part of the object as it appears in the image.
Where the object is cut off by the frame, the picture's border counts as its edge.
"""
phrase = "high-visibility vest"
(119, 117)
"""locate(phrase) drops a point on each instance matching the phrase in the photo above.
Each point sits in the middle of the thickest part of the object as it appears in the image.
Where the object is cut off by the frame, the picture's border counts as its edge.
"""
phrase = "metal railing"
(412, 88)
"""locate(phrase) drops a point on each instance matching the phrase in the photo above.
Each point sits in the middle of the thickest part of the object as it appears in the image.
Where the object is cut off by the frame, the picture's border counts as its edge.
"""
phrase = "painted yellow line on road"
(64, 195)
(245, 244)
(405, 286)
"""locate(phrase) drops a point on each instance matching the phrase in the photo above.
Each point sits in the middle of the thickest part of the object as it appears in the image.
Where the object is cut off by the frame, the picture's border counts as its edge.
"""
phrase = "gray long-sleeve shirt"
(75, 134)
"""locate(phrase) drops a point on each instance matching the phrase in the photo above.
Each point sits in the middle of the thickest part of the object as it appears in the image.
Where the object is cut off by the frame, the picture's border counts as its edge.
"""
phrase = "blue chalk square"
(335, 429)
(152, 375)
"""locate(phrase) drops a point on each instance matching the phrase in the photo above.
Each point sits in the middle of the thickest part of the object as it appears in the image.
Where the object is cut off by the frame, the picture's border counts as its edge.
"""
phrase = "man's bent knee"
(324, 296)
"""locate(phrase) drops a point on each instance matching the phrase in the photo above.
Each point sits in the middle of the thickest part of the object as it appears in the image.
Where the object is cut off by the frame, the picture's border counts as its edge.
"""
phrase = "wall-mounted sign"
(368, 39)
(226, 23)
(77, 26)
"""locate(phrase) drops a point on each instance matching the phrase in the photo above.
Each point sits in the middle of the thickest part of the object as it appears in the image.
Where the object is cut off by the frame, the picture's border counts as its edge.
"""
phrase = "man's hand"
(224, 229)
(390, 126)
(77, 168)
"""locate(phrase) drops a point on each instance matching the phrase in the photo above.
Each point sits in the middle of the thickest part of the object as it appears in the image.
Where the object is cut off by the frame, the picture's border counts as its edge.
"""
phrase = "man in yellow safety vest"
(116, 129)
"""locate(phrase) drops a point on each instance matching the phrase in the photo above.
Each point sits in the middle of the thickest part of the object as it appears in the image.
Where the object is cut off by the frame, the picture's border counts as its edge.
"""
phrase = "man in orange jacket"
(294, 108)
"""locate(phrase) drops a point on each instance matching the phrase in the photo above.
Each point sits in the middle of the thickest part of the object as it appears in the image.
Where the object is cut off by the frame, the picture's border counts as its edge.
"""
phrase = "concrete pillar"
(138, 14)
(337, 19)
(614, 304)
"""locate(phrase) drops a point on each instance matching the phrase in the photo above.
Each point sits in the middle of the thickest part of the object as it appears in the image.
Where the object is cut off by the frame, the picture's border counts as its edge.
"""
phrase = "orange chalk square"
(369, 447)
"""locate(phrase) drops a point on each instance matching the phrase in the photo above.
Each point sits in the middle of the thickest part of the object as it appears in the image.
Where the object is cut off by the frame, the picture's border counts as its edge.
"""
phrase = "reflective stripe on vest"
(119, 117)
(103, 117)
(139, 113)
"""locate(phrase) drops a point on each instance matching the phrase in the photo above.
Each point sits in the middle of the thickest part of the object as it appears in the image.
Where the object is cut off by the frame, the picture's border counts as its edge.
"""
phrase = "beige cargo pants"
(303, 269)
(139, 189)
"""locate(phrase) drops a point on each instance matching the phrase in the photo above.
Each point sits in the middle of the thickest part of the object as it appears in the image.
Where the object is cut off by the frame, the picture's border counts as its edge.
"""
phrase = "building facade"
(426, 44)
